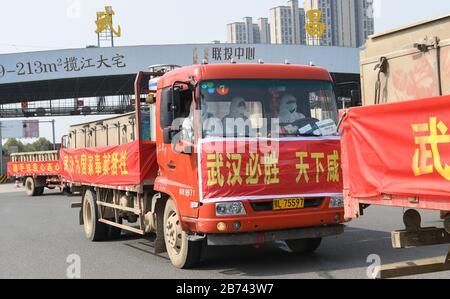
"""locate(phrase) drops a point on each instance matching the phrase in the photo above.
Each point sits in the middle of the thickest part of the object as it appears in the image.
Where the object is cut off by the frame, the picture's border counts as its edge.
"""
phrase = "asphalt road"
(38, 234)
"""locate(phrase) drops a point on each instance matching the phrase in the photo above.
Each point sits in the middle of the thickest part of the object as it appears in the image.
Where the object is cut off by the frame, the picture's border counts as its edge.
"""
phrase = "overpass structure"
(91, 74)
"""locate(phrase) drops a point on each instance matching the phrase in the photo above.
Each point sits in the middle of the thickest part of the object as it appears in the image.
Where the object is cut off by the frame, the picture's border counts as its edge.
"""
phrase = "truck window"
(250, 108)
(165, 108)
(166, 99)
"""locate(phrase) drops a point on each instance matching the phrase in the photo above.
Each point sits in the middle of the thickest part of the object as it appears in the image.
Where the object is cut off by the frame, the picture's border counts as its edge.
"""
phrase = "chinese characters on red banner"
(435, 133)
(296, 167)
(123, 165)
(108, 164)
(265, 168)
(33, 168)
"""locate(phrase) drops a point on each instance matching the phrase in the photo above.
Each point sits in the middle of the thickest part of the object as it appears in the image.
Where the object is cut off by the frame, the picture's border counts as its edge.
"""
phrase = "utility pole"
(53, 133)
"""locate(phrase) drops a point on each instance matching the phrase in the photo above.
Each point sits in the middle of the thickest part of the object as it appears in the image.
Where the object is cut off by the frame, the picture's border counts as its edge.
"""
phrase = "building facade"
(237, 33)
(354, 22)
(287, 24)
(264, 30)
(247, 32)
(347, 23)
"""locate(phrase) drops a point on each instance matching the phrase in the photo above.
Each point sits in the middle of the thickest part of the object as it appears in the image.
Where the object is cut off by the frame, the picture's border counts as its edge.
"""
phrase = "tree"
(13, 142)
(42, 144)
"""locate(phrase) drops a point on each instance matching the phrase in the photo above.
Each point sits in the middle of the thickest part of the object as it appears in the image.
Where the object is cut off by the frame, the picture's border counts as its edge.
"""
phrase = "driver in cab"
(288, 114)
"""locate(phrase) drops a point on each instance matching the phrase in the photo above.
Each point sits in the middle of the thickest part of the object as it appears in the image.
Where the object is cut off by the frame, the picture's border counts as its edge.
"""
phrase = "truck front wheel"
(31, 189)
(184, 254)
(304, 246)
(94, 230)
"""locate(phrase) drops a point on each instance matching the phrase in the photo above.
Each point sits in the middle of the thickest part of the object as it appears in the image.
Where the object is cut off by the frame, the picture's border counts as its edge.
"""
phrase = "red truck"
(395, 150)
(176, 167)
(36, 171)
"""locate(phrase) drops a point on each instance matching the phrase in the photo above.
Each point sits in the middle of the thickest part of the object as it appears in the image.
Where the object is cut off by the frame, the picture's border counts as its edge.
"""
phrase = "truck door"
(176, 156)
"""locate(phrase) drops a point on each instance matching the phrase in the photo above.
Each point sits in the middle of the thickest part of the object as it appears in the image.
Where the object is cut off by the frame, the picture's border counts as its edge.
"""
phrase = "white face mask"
(292, 107)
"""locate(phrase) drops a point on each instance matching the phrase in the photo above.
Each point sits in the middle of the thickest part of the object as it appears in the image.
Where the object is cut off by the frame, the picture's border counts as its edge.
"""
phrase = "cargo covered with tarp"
(397, 154)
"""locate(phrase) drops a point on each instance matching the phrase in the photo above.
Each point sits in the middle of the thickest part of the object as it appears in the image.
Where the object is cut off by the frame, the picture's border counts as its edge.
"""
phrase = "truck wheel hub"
(173, 234)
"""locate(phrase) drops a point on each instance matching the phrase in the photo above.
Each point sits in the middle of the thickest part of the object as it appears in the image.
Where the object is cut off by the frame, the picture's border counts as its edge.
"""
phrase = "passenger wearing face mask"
(288, 114)
(212, 126)
(288, 110)
(236, 123)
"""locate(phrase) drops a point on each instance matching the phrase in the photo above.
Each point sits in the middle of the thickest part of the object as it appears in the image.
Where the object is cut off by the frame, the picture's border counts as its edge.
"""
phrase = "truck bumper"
(270, 236)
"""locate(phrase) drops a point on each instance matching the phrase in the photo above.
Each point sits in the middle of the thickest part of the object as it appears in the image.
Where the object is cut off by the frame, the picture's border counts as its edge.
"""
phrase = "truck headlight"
(230, 208)
(336, 202)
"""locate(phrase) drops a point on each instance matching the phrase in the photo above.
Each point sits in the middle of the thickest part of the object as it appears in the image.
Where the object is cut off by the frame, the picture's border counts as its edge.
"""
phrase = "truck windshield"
(268, 108)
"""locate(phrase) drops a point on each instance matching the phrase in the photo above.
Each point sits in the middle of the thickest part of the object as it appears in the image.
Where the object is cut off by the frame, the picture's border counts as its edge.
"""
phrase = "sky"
(30, 25)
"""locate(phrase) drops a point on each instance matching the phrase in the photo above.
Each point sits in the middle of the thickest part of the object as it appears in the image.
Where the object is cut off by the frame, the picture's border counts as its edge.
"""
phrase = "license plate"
(288, 203)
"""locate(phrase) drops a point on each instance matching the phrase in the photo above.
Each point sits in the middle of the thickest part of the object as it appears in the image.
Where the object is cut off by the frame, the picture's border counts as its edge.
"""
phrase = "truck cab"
(247, 154)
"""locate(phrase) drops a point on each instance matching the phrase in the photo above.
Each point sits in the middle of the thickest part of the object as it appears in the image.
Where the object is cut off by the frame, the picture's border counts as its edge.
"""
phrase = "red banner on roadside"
(122, 165)
(38, 168)
(300, 167)
(400, 149)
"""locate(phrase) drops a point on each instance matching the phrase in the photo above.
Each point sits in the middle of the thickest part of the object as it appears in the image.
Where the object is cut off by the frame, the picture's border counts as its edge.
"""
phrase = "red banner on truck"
(123, 165)
(255, 169)
(403, 149)
(36, 168)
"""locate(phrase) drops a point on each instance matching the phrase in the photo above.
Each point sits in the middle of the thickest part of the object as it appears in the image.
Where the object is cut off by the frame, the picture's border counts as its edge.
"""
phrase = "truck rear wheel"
(184, 254)
(31, 189)
(304, 246)
(94, 230)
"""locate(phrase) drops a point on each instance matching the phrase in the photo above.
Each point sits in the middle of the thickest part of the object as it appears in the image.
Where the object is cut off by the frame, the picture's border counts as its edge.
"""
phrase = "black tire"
(304, 246)
(95, 231)
(30, 186)
(183, 254)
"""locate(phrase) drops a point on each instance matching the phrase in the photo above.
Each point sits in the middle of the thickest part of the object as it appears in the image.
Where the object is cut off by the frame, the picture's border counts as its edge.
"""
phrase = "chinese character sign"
(294, 168)
(36, 168)
(399, 148)
(226, 54)
(314, 26)
(114, 165)
(105, 22)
